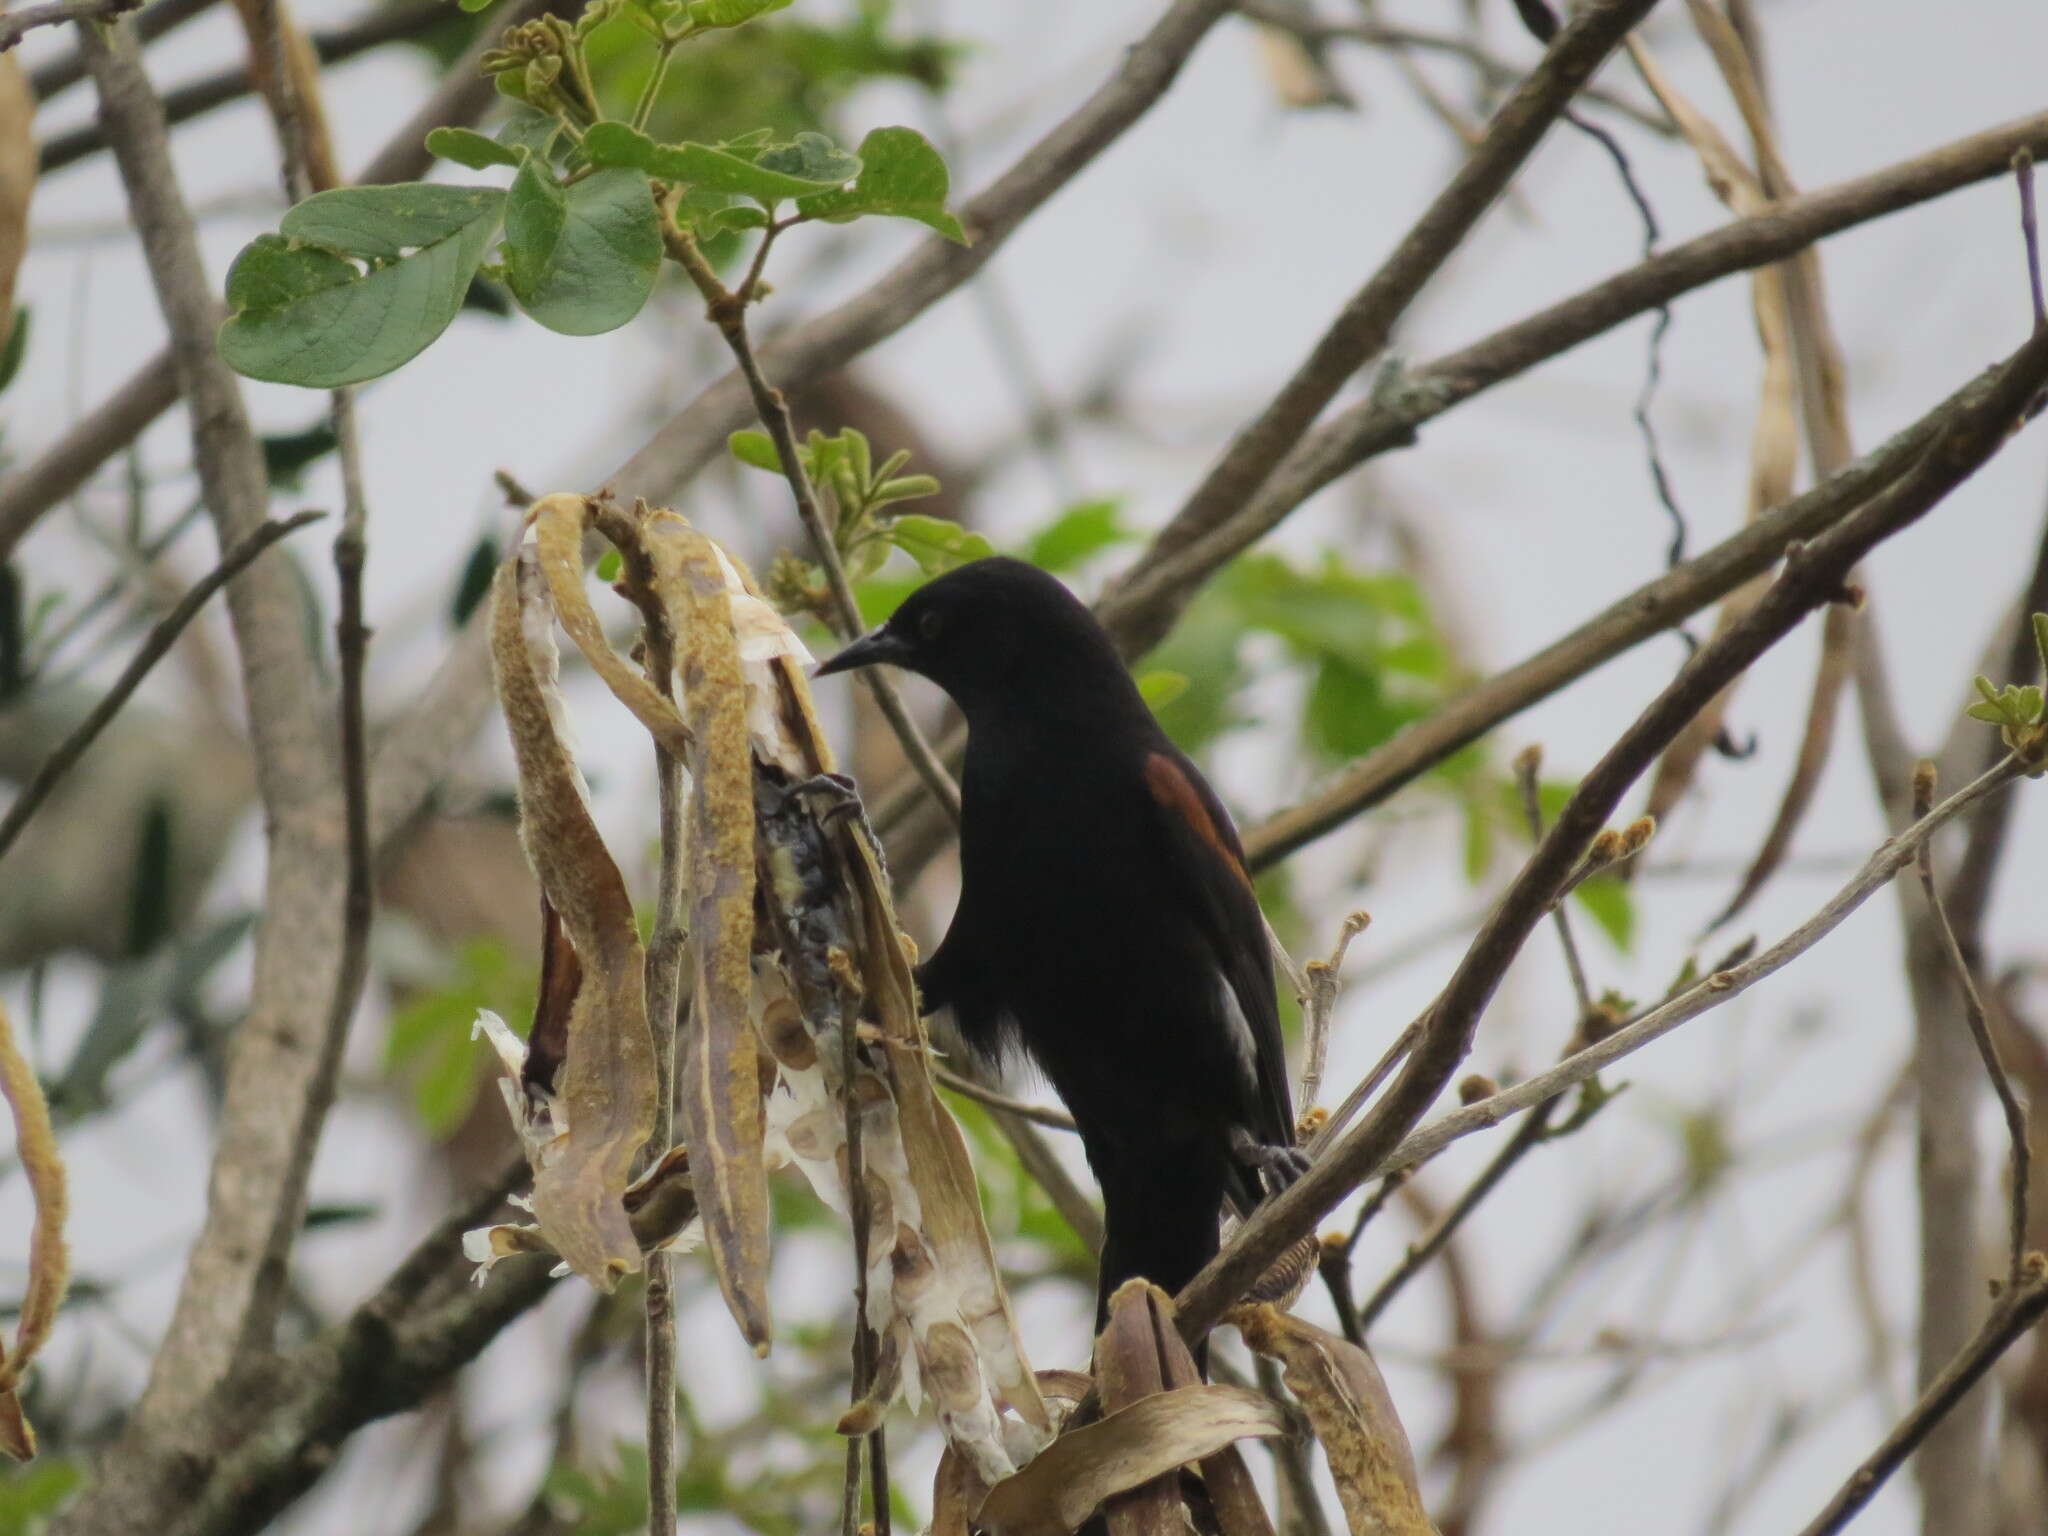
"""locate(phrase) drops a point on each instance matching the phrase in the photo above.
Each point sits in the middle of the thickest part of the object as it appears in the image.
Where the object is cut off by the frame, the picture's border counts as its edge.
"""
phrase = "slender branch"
(728, 311)
(1149, 599)
(1710, 992)
(2015, 1316)
(60, 74)
(152, 650)
(1812, 578)
(1980, 1031)
(1491, 68)
(1649, 610)
(1366, 323)
(16, 25)
(1038, 1114)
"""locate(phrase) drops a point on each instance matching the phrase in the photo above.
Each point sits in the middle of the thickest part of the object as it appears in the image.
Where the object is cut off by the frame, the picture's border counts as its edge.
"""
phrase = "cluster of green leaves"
(2018, 709)
(854, 497)
(359, 280)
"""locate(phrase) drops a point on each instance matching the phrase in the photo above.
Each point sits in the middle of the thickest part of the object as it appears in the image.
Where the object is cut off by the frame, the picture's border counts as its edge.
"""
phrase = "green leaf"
(811, 157)
(2040, 623)
(732, 219)
(937, 545)
(536, 213)
(2029, 702)
(474, 5)
(880, 596)
(609, 564)
(706, 14)
(866, 558)
(903, 488)
(757, 449)
(304, 315)
(530, 130)
(1077, 535)
(902, 176)
(1161, 688)
(617, 145)
(1990, 714)
(1607, 901)
(383, 223)
(596, 271)
(465, 146)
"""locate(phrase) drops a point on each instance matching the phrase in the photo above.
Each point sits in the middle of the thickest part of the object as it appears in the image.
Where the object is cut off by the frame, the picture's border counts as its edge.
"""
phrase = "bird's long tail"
(1159, 1221)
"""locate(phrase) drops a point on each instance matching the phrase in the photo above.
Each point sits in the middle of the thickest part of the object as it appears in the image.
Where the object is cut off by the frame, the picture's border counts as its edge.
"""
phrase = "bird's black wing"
(1210, 862)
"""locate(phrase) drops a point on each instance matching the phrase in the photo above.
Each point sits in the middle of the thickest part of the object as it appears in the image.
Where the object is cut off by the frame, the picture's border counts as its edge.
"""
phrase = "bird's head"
(990, 630)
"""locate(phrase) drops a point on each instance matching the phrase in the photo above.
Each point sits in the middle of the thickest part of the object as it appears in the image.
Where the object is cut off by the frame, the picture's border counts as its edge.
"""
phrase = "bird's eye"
(929, 623)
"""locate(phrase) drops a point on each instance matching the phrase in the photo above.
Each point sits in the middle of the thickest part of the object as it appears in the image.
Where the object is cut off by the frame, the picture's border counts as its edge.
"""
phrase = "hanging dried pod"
(800, 972)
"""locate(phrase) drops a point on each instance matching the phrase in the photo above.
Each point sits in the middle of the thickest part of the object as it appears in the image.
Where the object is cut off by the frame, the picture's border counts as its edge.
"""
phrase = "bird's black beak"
(877, 645)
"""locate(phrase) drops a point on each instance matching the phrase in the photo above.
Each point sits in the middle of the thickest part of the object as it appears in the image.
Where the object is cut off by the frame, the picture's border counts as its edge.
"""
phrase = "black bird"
(1106, 923)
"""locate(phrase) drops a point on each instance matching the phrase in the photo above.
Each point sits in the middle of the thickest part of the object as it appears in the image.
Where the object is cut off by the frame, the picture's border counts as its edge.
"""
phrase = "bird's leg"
(1281, 1165)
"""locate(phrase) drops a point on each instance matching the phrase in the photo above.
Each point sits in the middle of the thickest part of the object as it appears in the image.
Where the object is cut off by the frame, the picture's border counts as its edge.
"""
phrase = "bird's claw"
(1281, 1165)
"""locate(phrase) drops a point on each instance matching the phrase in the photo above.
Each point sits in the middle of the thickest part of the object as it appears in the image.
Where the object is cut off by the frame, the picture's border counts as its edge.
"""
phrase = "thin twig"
(60, 74)
(1980, 1031)
(1366, 323)
(1038, 1114)
(1527, 764)
(663, 969)
(153, 649)
(728, 312)
(2014, 1317)
(1710, 992)
(1491, 68)
(1152, 596)
(16, 25)
(2030, 232)
(1318, 986)
(1812, 577)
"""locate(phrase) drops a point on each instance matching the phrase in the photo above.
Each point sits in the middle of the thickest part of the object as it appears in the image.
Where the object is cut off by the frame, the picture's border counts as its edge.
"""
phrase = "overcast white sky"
(1227, 230)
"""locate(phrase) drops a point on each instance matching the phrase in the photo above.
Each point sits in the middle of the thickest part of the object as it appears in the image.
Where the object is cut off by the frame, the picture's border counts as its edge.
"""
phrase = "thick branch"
(1366, 324)
(1970, 431)
(1147, 602)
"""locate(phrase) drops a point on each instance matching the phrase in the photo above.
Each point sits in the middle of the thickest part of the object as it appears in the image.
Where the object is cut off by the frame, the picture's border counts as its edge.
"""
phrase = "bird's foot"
(1281, 1165)
(839, 795)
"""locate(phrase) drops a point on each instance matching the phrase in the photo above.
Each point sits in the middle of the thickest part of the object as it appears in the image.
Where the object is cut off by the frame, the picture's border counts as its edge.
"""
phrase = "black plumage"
(1106, 923)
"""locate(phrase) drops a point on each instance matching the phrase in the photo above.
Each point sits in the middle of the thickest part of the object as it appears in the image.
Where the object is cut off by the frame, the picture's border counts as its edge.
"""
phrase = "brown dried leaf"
(957, 1491)
(720, 1079)
(1354, 1419)
(17, 179)
(559, 522)
(1133, 1445)
(1140, 1354)
(49, 1264)
(604, 1093)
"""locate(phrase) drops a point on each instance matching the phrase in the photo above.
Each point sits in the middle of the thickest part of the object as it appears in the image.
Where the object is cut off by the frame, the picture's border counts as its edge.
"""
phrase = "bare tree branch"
(1971, 428)
(1366, 324)
(16, 25)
